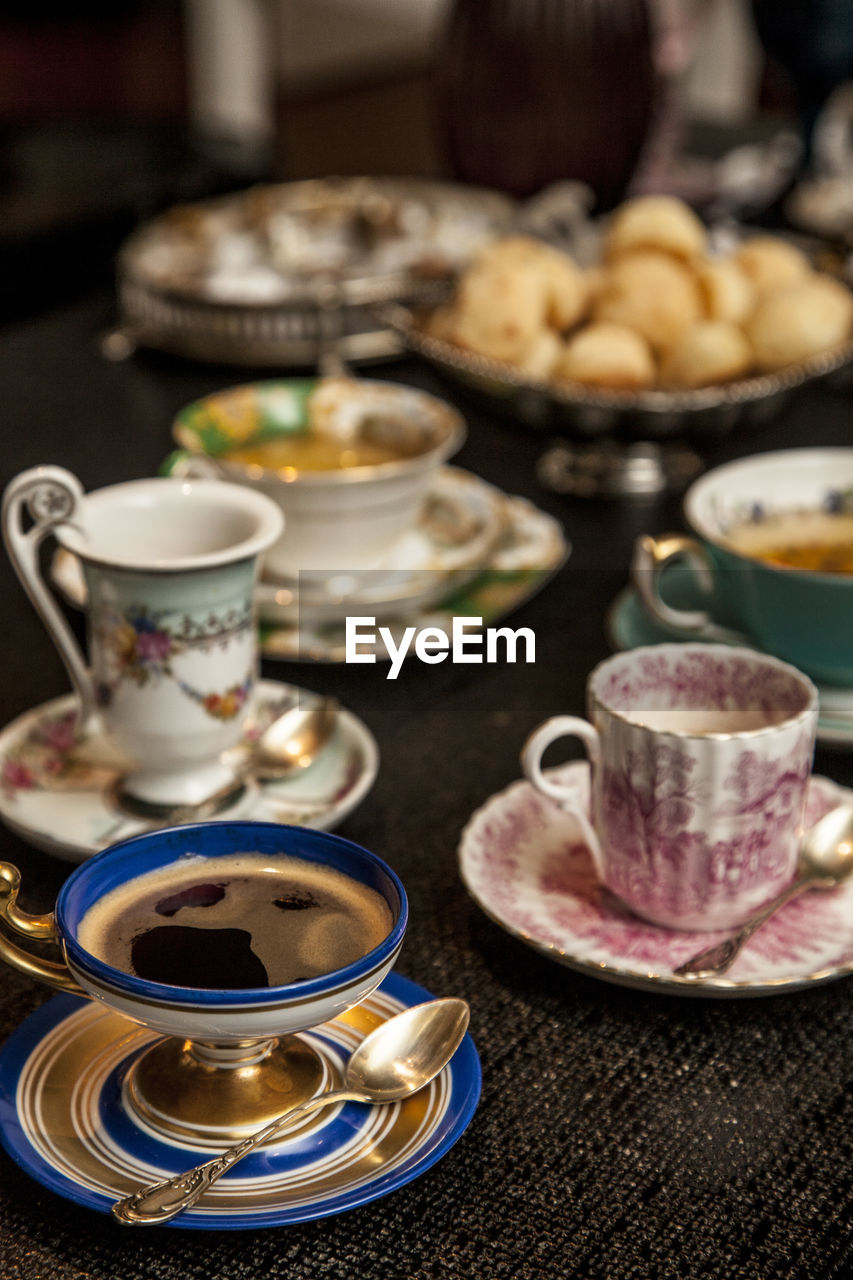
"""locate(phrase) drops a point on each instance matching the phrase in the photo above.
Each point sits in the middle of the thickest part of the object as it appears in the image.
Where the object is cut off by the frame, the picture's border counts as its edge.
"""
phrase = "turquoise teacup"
(802, 615)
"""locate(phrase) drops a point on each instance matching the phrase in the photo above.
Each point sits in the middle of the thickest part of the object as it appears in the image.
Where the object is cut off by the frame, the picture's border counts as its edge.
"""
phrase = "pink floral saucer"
(525, 863)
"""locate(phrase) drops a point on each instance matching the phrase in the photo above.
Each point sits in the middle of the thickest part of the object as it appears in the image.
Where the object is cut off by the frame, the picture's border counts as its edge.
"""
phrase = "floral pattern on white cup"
(224, 705)
(139, 644)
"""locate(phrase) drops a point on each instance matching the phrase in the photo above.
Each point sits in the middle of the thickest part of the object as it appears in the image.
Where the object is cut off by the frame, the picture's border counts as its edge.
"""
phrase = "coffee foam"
(349, 919)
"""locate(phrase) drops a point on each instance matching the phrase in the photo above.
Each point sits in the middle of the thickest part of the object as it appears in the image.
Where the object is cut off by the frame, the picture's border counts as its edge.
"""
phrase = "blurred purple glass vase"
(531, 92)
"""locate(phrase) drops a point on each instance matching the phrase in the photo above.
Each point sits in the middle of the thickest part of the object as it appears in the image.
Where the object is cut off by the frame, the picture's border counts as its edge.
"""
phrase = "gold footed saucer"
(212, 977)
(65, 1077)
(210, 1096)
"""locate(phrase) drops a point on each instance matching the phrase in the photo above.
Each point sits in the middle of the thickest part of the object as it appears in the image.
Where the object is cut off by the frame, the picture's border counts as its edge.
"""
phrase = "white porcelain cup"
(170, 567)
(700, 757)
(344, 519)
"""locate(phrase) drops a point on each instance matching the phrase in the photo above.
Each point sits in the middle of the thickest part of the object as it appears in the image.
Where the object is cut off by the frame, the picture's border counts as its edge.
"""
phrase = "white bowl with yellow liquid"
(348, 460)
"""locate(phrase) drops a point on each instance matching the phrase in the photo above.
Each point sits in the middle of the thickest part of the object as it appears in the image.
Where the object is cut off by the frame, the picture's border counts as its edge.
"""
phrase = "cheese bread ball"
(652, 293)
(798, 320)
(564, 281)
(540, 357)
(656, 309)
(770, 261)
(508, 249)
(567, 288)
(607, 355)
(656, 222)
(595, 278)
(710, 352)
(727, 291)
(501, 308)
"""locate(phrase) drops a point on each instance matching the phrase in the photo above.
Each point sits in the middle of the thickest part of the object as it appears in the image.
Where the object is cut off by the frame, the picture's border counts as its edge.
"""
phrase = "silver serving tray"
(166, 299)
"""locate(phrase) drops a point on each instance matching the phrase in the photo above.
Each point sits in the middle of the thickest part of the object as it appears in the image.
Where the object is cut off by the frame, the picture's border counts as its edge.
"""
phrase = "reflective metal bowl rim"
(405, 323)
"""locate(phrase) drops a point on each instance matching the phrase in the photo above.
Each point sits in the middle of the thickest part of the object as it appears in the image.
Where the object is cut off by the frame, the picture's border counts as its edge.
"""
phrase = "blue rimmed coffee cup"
(232, 1058)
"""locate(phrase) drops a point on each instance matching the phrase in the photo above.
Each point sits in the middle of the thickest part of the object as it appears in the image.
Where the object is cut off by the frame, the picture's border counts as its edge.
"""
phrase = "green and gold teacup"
(349, 461)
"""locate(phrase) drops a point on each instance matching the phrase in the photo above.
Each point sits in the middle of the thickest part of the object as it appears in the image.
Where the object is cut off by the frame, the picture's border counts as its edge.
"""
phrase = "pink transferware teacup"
(700, 758)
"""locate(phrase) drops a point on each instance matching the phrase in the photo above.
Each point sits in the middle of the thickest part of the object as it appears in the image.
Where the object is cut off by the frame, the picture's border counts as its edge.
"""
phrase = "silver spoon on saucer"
(291, 742)
(825, 859)
(397, 1059)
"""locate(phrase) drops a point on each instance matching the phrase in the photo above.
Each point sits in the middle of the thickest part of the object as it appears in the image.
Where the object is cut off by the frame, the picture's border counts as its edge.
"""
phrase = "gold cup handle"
(54, 973)
(650, 558)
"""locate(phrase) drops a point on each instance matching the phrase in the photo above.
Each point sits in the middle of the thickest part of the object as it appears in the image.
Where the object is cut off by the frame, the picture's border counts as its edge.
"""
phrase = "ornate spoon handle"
(162, 1201)
(716, 959)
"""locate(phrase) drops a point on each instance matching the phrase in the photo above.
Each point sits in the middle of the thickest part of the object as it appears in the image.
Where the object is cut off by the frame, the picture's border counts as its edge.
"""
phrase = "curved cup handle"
(51, 496)
(54, 973)
(650, 558)
(564, 794)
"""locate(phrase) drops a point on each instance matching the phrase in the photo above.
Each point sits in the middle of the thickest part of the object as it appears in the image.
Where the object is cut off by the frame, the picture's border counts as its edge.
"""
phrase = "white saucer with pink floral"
(60, 794)
(526, 864)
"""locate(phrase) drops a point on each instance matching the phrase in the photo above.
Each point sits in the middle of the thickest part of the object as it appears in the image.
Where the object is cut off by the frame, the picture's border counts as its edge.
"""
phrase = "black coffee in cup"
(234, 922)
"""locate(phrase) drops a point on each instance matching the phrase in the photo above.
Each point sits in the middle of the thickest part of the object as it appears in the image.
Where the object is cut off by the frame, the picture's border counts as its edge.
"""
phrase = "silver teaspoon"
(825, 859)
(291, 742)
(398, 1058)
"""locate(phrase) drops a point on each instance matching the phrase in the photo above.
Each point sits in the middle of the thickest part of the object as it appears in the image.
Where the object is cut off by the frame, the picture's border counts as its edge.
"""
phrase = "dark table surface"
(621, 1133)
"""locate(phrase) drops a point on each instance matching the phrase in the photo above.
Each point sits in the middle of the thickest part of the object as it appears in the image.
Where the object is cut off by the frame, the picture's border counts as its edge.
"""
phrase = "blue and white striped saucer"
(62, 1120)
